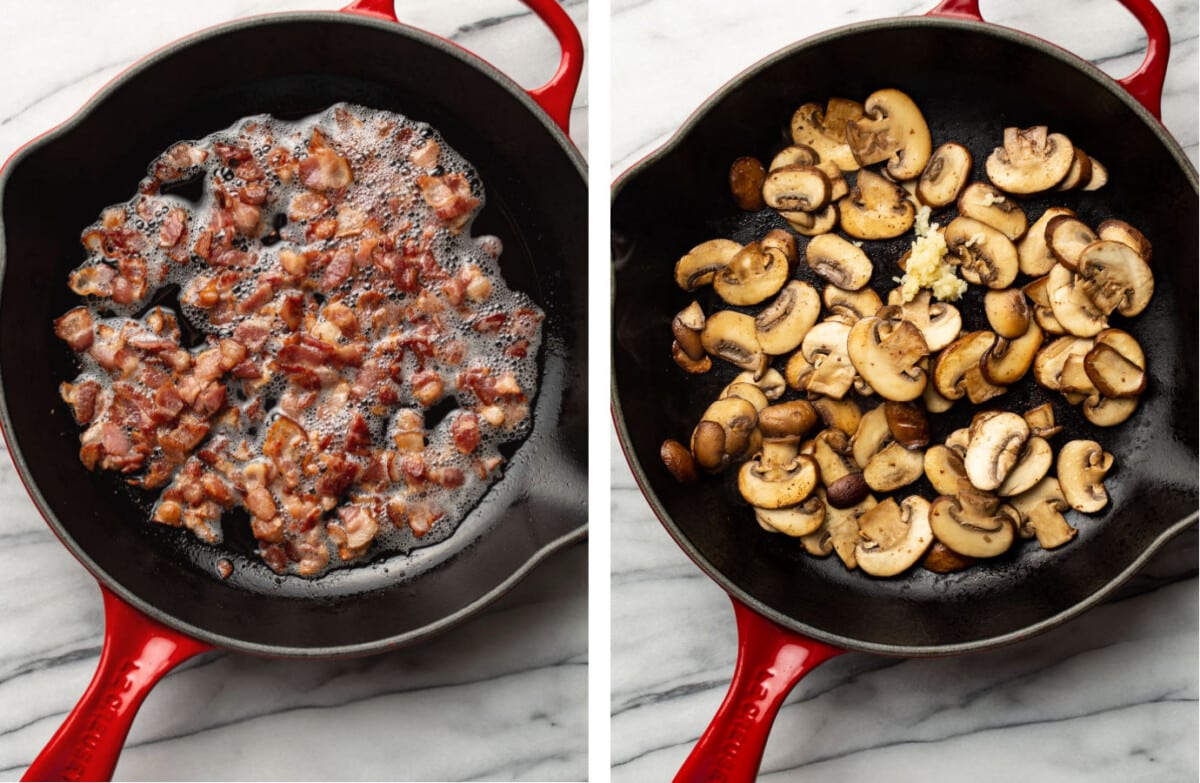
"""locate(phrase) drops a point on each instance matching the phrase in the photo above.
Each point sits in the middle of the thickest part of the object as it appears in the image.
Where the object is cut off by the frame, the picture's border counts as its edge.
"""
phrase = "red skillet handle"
(770, 662)
(1146, 83)
(137, 652)
(554, 96)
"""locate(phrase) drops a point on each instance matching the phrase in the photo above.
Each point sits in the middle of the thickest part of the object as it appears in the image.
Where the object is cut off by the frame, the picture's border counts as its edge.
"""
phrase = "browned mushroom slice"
(894, 467)
(793, 418)
(894, 536)
(1116, 364)
(959, 372)
(985, 203)
(777, 486)
(1120, 231)
(893, 130)
(1071, 305)
(1109, 411)
(844, 533)
(1033, 463)
(1007, 361)
(781, 326)
(941, 559)
(797, 188)
(1080, 172)
(850, 306)
(1099, 176)
(1007, 312)
(843, 481)
(1041, 421)
(1041, 510)
(794, 155)
(726, 433)
(748, 392)
(973, 523)
(871, 435)
(840, 262)
(1039, 299)
(703, 261)
(753, 274)
(686, 327)
(838, 112)
(939, 322)
(875, 208)
(687, 363)
(945, 175)
(809, 129)
(994, 448)
(1051, 360)
(1115, 277)
(1031, 160)
(812, 224)
(944, 469)
(889, 353)
(1033, 254)
(795, 521)
(1067, 236)
(986, 256)
(678, 461)
(746, 176)
(934, 401)
(843, 415)
(825, 348)
(732, 336)
(908, 424)
(1082, 465)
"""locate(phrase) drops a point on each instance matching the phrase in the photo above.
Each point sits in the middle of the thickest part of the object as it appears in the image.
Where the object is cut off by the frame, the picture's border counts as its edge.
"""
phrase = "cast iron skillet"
(970, 80)
(162, 604)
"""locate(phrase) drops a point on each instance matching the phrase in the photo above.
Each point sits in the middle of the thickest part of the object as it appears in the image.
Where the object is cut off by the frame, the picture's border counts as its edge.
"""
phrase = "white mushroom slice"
(1082, 465)
(1071, 305)
(986, 256)
(838, 112)
(797, 188)
(1007, 312)
(871, 436)
(983, 202)
(1007, 361)
(1120, 231)
(1066, 237)
(945, 175)
(1114, 375)
(781, 326)
(837, 180)
(875, 208)
(934, 401)
(732, 336)
(850, 306)
(842, 415)
(889, 353)
(895, 536)
(1109, 411)
(944, 468)
(894, 467)
(752, 275)
(1099, 176)
(958, 441)
(939, 322)
(1080, 172)
(1039, 299)
(703, 261)
(772, 487)
(798, 371)
(838, 261)
(958, 370)
(812, 224)
(686, 328)
(794, 155)
(994, 448)
(687, 363)
(825, 348)
(771, 382)
(1115, 277)
(1031, 160)
(1041, 510)
(1041, 421)
(842, 525)
(795, 521)
(1051, 360)
(1033, 254)
(809, 128)
(893, 130)
(1033, 463)
(726, 433)
(973, 523)
(747, 391)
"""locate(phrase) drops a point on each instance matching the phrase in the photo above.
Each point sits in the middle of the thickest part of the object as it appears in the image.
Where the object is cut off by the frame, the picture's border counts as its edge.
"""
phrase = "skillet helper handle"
(137, 652)
(770, 662)
(556, 95)
(1145, 84)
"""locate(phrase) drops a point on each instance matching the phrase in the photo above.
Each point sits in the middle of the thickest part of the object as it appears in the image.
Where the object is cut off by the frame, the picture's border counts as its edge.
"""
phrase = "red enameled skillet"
(162, 605)
(970, 79)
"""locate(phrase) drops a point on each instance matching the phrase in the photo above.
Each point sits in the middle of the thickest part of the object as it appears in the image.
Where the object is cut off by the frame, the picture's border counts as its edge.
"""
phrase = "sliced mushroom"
(771, 382)
(838, 112)
(1032, 464)
(986, 256)
(1115, 277)
(1066, 237)
(983, 202)
(850, 306)
(687, 363)
(795, 155)
(746, 177)
(945, 175)
(1041, 421)
(872, 435)
(808, 128)
(1109, 411)
(747, 391)
(934, 401)
(844, 533)
(1081, 467)
(777, 486)
(994, 448)
(726, 433)
(1113, 374)
(843, 481)
(1080, 172)
(1099, 176)
(781, 326)
(908, 424)
(941, 559)
(1007, 361)
(825, 348)
(703, 261)
(797, 188)
(686, 327)
(939, 322)
(798, 371)
(1033, 254)
(843, 415)
(894, 467)
(894, 536)
(812, 224)
(944, 469)
(837, 180)
(958, 440)
(1071, 306)
(1039, 299)
(875, 208)
(796, 521)
(1030, 161)
(958, 370)
(732, 336)
(838, 261)
(1120, 231)
(678, 461)
(755, 273)
(1051, 360)
(893, 129)
(1007, 312)
(1041, 510)
(973, 523)
(889, 353)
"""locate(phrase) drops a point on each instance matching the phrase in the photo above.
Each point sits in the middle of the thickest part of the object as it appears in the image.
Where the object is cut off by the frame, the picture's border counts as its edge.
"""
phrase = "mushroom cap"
(1007, 361)
(945, 175)
(752, 275)
(748, 392)
(1008, 312)
(797, 187)
(794, 155)
(800, 520)
(833, 455)
(678, 461)
(1033, 254)
(726, 432)
(1051, 360)
(939, 322)
(771, 381)
(940, 559)
(1030, 161)
(1115, 277)
(958, 372)
(731, 336)
(1113, 374)
(894, 536)
(781, 326)
(697, 267)
(908, 424)
(973, 524)
(1071, 306)
(993, 450)
(791, 418)
(986, 256)
(871, 436)
(843, 415)
(809, 128)
(888, 353)
(1081, 467)
(893, 130)
(875, 208)
(1079, 174)
(838, 261)
(770, 487)
(746, 176)
(687, 363)
(983, 202)
(1099, 176)
(1066, 237)
(686, 327)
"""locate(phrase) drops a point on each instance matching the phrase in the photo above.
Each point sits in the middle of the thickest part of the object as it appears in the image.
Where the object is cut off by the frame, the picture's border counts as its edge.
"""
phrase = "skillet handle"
(771, 660)
(556, 95)
(1145, 84)
(137, 652)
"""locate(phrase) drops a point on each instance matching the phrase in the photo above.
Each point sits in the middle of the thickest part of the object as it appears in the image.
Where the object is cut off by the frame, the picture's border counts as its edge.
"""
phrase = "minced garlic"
(927, 266)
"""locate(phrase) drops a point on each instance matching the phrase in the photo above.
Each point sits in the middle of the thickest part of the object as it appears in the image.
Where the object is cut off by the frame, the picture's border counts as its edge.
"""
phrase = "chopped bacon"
(303, 353)
(412, 468)
(478, 380)
(354, 532)
(252, 333)
(282, 163)
(450, 196)
(465, 432)
(448, 477)
(247, 370)
(210, 399)
(358, 434)
(427, 387)
(518, 349)
(306, 205)
(208, 365)
(525, 322)
(487, 324)
(254, 193)
(75, 328)
(421, 519)
(173, 227)
(338, 270)
(95, 280)
(82, 397)
(245, 217)
(338, 475)
(324, 169)
(172, 164)
(167, 403)
(262, 294)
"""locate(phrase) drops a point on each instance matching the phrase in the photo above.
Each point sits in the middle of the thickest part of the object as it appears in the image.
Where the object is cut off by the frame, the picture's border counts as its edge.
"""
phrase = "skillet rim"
(645, 485)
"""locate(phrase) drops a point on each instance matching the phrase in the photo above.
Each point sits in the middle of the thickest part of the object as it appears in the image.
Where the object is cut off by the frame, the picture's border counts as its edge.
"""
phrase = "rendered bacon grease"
(345, 360)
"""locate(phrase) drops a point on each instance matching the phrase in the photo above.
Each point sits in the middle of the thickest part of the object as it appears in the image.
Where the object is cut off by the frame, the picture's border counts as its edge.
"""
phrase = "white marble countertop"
(1110, 696)
(502, 697)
